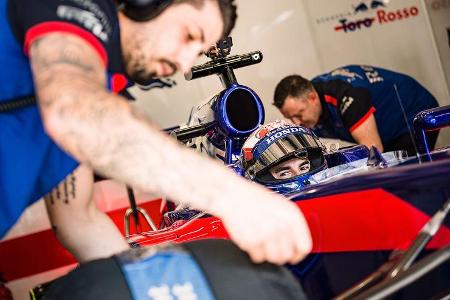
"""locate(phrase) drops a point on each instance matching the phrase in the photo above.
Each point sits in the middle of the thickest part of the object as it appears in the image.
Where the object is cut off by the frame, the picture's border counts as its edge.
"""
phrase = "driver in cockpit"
(282, 156)
(286, 158)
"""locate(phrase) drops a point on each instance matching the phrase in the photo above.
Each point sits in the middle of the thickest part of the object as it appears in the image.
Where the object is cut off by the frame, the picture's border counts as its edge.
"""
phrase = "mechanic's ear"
(312, 97)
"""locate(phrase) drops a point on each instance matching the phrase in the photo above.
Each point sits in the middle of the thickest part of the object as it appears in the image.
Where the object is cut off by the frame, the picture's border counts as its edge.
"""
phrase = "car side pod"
(402, 269)
(429, 120)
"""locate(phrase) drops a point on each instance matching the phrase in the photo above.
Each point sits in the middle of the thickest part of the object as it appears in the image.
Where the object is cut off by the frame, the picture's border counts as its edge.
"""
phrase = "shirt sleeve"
(95, 21)
(355, 107)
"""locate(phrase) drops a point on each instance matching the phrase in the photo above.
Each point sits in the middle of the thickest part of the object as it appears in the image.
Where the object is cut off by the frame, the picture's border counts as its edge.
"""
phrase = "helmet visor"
(284, 148)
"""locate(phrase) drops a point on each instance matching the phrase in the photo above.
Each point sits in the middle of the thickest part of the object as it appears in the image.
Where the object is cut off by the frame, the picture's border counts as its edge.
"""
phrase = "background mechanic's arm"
(357, 112)
(367, 133)
(103, 131)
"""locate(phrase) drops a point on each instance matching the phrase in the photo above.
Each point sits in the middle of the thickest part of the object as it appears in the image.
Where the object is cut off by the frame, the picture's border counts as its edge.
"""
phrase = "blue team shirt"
(31, 164)
(350, 94)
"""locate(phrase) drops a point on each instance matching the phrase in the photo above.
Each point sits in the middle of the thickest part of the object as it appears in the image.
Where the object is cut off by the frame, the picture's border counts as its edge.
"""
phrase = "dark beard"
(141, 76)
(135, 69)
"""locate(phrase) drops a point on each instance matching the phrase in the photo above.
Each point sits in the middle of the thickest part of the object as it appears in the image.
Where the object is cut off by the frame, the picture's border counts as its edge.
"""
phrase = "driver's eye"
(285, 174)
(304, 167)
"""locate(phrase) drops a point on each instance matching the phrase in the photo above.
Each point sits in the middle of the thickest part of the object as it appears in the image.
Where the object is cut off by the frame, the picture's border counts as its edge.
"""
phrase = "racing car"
(366, 209)
(378, 220)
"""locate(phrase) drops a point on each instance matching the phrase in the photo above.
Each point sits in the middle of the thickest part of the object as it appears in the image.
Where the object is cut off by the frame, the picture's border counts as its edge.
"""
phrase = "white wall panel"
(403, 43)
(439, 16)
(396, 35)
(278, 28)
(299, 36)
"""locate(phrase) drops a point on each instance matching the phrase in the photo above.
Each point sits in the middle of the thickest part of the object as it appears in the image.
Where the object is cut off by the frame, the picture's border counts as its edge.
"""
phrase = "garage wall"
(392, 34)
(277, 28)
(300, 36)
(439, 16)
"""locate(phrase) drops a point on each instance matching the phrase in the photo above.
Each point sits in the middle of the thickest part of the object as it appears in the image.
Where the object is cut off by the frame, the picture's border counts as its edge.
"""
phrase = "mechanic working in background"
(361, 104)
(67, 54)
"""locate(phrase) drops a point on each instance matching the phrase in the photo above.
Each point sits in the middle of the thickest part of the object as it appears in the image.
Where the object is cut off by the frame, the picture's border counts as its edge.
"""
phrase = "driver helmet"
(282, 156)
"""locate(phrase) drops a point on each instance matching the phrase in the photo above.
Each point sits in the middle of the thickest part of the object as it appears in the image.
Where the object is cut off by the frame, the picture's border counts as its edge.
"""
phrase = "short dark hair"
(227, 10)
(291, 86)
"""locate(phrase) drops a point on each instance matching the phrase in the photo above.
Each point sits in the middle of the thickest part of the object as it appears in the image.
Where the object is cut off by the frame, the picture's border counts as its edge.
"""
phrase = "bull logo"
(375, 4)
(362, 7)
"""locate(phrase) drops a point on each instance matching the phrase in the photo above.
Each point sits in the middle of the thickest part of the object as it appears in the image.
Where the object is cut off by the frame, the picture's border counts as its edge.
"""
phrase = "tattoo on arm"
(65, 191)
(103, 131)
(60, 61)
(49, 198)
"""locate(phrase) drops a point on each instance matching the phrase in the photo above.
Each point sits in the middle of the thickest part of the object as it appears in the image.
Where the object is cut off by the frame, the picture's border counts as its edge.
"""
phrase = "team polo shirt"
(31, 164)
(351, 94)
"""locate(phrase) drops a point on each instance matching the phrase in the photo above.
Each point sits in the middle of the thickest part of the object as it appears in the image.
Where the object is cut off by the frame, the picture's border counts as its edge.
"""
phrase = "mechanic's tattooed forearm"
(59, 59)
(103, 131)
(67, 53)
(65, 192)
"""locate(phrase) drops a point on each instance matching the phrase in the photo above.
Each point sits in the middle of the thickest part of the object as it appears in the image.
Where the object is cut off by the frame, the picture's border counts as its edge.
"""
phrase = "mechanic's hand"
(268, 227)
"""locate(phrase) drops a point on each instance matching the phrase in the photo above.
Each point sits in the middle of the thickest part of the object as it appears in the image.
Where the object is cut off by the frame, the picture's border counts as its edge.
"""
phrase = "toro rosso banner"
(379, 17)
(364, 14)
(377, 32)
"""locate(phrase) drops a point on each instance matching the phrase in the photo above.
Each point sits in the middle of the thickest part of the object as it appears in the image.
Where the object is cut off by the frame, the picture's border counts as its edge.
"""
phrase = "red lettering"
(406, 12)
(386, 17)
(381, 14)
(391, 16)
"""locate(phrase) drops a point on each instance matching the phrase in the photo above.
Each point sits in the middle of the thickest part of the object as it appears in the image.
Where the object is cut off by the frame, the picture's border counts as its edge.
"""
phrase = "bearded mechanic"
(72, 56)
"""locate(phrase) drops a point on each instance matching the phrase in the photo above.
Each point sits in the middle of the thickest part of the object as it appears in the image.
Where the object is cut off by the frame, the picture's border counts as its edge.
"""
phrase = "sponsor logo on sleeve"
(346, 73)
(346, 102)
(88, 19)
(372, 75)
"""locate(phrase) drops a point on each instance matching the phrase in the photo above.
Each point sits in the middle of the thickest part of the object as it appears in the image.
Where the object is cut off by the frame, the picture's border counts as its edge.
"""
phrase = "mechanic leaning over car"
(363, 104)
(73, 56)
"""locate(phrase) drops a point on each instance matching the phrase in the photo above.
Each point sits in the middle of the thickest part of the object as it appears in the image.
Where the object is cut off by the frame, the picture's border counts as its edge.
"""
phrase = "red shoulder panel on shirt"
(363, 119)
(331, 100)
(42, 29)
